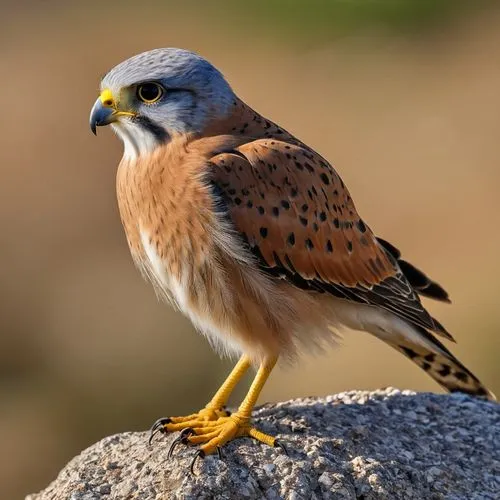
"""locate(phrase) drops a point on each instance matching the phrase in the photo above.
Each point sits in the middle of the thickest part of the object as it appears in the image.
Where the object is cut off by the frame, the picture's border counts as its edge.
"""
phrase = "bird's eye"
(150, 92)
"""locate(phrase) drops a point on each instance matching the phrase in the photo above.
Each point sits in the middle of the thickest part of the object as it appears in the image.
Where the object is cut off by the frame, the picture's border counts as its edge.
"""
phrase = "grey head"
(159, 93)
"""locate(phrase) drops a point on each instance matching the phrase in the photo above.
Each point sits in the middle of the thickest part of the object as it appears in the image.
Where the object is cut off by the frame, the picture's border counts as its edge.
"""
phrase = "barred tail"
(436, 360)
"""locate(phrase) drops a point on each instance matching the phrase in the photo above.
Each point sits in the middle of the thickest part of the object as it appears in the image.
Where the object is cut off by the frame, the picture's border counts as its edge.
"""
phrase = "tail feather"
(438, 362)
(422, 284)
(417, 343)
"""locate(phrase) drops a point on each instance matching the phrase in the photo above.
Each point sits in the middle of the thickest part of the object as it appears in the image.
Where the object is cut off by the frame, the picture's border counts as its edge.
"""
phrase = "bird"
(254, 236)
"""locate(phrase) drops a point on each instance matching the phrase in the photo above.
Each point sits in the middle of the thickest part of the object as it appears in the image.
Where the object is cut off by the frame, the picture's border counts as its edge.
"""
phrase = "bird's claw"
(281, 446)
(158, 426)
(198, 454)
(181, 438)
(211, 429)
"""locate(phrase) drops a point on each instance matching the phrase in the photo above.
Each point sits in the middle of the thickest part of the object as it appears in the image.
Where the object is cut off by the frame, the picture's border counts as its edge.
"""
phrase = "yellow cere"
(107, 98)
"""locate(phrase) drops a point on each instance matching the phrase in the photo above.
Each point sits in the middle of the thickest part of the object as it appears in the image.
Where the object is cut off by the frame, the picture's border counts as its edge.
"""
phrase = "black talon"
(199, 453)
(152, 435)
(219, 453)
(279, 444)
(175, 442)
(161, 422)
(158, 426)
(181, 438)
(185, 433)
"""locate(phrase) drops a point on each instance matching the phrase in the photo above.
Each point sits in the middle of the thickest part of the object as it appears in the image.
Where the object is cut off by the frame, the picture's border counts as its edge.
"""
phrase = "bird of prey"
(253, 235)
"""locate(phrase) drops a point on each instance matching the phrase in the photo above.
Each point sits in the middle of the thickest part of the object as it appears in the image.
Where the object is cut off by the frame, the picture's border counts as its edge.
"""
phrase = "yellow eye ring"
(150, 92)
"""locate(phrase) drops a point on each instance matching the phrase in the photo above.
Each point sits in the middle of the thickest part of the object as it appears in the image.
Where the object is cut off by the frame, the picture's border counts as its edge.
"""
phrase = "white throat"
(137, 141)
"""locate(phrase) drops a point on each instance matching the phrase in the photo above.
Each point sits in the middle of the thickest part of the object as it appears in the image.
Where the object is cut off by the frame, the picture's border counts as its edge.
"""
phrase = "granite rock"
(385, 444)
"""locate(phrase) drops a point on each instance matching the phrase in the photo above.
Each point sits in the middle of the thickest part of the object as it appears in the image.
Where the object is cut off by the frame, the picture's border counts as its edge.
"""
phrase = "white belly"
(175, 291)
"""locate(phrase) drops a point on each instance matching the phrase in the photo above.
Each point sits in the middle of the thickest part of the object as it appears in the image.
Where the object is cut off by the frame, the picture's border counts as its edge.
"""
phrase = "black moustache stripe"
(153, 128)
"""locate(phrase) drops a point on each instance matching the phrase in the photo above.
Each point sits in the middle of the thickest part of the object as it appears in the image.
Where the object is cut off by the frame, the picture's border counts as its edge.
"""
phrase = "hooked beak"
(105, 111)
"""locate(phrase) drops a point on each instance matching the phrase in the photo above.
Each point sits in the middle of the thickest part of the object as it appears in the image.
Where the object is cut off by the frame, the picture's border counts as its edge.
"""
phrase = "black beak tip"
(93, 127)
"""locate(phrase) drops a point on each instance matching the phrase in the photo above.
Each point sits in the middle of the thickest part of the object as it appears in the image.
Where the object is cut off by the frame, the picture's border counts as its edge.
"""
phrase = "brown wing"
(298, 218)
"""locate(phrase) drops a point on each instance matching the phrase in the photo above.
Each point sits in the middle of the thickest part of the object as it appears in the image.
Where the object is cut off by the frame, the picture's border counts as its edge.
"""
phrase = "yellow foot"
(211, 429)
(200, 419)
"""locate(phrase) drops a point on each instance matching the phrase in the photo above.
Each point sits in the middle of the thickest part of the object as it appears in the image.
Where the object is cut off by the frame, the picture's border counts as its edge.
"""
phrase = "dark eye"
(149, 92)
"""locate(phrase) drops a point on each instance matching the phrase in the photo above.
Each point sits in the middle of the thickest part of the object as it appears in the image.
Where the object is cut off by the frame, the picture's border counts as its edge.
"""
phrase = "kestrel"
(254, 236)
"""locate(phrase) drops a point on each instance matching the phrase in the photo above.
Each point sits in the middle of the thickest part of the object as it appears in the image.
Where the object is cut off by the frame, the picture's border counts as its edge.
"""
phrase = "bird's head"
(157, 94)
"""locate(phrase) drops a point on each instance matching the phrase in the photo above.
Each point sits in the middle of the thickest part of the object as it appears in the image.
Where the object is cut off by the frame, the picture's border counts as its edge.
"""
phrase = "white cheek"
(136, 140)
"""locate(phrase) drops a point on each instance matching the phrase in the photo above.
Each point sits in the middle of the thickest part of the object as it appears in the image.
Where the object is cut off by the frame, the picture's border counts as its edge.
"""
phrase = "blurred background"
(402, 96)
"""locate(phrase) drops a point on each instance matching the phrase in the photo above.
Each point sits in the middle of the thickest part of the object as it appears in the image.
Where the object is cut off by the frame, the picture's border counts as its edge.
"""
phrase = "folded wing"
(298, 219)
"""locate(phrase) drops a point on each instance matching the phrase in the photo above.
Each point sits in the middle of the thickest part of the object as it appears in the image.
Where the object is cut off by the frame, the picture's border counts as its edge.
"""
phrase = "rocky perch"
(359, 445)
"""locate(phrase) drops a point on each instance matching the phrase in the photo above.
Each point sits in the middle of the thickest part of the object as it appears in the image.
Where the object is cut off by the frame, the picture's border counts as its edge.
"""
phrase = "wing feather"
(298, 218)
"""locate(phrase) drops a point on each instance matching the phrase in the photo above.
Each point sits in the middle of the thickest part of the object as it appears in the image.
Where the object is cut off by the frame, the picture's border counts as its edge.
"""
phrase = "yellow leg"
(237, 424)
(214, 409)
(211, 427)
(206, 417)
(222, 395)
(246, 406)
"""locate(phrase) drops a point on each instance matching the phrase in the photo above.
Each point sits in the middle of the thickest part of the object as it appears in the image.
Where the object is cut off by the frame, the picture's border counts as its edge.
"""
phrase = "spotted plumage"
(253, 235)
(319, 242)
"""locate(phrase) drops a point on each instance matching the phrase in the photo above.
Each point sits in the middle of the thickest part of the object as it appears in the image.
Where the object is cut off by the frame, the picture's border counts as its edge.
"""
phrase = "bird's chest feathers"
(165, 208)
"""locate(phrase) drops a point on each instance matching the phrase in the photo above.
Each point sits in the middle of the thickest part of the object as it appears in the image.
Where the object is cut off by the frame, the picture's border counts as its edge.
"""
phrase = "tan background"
(408, 111)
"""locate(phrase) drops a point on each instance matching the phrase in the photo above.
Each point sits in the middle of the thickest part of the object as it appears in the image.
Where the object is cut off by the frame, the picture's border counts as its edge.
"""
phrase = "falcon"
(253, 235)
